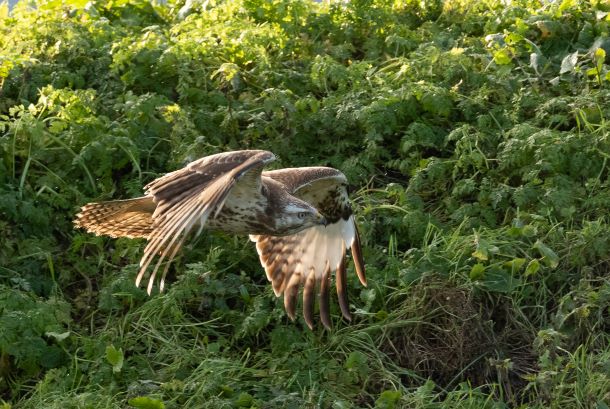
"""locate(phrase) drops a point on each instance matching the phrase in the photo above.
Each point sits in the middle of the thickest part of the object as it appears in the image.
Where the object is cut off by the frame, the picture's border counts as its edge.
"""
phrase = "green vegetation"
(474, 134)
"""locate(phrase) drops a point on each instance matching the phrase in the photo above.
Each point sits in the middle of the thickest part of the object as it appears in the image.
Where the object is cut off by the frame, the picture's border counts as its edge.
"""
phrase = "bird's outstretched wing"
(187, 197)
(312, 255)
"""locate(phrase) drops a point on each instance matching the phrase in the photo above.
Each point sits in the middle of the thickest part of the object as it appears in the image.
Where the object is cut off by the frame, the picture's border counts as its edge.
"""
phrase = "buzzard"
(300, 219)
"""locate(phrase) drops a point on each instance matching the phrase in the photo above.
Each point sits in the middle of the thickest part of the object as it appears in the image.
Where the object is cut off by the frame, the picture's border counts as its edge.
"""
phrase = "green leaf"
(355, 359)
(144, 402)
(57, 126)
(477, 272)
(482, 250)
(500, 281)
(115, 358)
(515, 264)
(3, 10)
(529, 230)
(357, 362)
(565, 5)
(532, 267)
(502, 57)
(601, 405)
(77, 3)
(591, 72)
(600, 55)
(245, 400)
(549, 257)
(229, 70)
(388, 400)
(381, 315)
(513, 38)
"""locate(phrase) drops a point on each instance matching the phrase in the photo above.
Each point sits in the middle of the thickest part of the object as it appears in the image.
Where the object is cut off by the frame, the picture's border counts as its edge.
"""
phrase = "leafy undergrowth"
(473, 133)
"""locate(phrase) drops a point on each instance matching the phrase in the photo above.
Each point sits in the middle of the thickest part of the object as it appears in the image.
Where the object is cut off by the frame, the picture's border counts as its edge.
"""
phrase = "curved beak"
(322, 220)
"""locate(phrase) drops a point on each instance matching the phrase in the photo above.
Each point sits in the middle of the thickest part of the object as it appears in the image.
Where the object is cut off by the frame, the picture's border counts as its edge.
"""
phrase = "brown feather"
(357, 256)
(278, 282)
(279, 278)
(161, 236)
(308, 296)
(162, 239)
(119, 218)
(290, 295)
(325, 298)
(342, 289)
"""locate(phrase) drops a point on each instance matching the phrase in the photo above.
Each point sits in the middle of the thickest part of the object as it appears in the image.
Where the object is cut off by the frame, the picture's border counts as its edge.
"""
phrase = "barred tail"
(119, 218)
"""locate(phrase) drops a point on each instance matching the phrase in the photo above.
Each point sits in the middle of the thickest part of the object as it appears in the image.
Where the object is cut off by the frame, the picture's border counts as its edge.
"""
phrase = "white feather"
(316, 246)
(307, 251)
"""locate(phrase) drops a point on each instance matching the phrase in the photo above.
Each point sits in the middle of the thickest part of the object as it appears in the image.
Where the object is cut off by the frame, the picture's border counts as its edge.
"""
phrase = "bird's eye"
(301, 215)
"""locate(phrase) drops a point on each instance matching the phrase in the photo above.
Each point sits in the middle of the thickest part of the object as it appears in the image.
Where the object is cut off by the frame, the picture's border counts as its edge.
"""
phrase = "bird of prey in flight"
(300, 219)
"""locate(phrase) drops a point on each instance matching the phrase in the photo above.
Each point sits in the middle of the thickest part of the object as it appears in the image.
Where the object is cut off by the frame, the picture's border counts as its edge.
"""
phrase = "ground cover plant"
(475, 138)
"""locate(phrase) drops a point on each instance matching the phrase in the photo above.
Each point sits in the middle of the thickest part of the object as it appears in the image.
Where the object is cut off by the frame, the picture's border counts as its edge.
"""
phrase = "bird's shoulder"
(323, 187)
(202, 172)
(307, 178)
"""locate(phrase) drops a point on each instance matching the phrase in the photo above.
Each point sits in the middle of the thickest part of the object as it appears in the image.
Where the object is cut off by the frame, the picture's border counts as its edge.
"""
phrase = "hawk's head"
(296, 215)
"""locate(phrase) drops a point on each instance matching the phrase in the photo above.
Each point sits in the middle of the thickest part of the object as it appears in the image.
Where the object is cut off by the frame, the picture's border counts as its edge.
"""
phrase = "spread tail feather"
(118, 218)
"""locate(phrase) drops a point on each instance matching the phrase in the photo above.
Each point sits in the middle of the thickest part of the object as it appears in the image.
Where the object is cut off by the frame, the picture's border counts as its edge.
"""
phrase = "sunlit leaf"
(569, 62)
(145, 402)
(600, 57)
(600, 54)
(3, 9)
(513, 38)
(502, 57)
